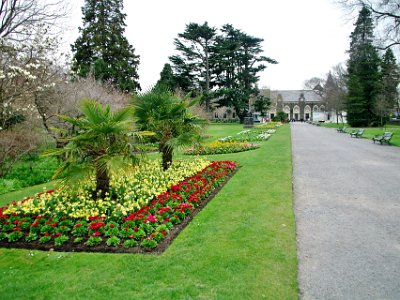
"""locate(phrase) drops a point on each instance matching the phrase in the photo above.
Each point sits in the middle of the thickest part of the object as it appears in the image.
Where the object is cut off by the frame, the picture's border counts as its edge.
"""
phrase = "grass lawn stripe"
(240, 246)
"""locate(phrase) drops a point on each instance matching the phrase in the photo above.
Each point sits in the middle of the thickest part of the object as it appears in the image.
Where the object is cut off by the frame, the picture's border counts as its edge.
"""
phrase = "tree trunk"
(166, 157)
(102, 182)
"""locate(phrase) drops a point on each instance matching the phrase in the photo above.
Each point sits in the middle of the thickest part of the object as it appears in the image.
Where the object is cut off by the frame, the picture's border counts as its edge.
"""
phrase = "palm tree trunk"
(166, 157)
(102, 182)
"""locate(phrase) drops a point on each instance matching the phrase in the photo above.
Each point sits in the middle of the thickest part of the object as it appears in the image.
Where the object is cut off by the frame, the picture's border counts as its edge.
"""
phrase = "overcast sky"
(306, 37)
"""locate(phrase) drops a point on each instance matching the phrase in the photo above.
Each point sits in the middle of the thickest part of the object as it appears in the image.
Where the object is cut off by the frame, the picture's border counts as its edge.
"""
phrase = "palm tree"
(168, 116)
(101, 142)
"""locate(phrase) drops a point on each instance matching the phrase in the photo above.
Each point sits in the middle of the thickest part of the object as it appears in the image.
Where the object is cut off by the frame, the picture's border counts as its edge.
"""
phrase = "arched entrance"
(296, 112)
(307, 112)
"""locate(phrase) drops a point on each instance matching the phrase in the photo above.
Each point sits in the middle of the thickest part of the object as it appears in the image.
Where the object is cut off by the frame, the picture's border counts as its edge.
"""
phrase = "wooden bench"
(385, 138)
(341, 129)
(357, 133)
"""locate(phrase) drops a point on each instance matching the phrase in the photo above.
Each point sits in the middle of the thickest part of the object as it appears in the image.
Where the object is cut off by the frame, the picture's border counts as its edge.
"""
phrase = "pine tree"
(193, 66)
(238, 61)
(167, 79)
(102, 50)
(363, 73)
(390, 78)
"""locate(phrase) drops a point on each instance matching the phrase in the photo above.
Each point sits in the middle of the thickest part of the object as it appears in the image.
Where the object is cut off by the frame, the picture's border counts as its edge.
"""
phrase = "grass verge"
(370, 132)
(241, 246)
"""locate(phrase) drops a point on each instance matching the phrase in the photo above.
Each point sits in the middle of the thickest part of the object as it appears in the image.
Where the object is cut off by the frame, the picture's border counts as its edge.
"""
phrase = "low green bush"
(30, 170)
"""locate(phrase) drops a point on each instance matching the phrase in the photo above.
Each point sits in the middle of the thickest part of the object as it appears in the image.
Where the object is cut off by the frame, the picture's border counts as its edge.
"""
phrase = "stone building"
(299, 105)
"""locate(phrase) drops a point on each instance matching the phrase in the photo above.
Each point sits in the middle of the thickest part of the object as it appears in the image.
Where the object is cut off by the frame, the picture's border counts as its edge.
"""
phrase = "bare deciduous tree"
(63, 98)
(19, 140)
(335, 91)
(387, 17)
(315, 84)
(19, 18)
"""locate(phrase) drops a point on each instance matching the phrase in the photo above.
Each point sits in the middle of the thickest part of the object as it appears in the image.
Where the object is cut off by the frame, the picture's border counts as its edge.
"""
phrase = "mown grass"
(241, 246)
(26, 192)
(370, 132)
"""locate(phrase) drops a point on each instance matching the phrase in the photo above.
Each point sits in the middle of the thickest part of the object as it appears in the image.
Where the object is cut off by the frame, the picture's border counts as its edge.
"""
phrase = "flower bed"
(270, 125)
(130, 190)
(249, 135)
(141, 229)
(221, 148)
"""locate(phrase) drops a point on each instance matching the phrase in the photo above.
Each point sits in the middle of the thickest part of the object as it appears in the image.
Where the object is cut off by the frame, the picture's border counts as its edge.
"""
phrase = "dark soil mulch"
(161, 247)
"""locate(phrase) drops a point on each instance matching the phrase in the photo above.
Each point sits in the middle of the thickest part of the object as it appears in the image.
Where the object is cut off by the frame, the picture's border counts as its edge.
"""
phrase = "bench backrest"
(387, 135)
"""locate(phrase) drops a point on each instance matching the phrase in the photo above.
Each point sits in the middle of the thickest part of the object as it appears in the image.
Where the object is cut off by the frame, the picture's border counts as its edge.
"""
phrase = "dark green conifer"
(363, 73)
(102, 50)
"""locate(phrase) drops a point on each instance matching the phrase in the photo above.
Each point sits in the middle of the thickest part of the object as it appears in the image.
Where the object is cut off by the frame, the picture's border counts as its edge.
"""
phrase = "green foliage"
(94, 241)
(78, 240)
(363, 73)
(130, 244)
(280, 117)
(148, 243)
(238, 62)
(113, 241)
(262, 104)
(389, 94)
(14, 236)
(45, 239)
(193, 66)
(60, 240)
(102, 50)
(102, 143)
(30, 170)
(167, 79)
(168, 116)
(31, 237)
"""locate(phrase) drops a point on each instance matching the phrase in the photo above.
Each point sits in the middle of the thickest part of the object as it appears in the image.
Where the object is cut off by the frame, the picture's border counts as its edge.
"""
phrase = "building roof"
(295, 95)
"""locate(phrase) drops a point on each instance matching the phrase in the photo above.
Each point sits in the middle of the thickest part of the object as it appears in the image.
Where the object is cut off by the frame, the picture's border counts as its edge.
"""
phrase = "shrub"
(28, 171)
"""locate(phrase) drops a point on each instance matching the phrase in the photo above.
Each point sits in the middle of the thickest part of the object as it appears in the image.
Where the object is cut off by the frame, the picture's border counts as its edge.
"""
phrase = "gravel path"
(347, 207)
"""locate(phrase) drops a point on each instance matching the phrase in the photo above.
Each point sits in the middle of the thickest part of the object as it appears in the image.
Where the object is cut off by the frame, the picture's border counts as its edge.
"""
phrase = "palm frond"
(93, 111)
(123, 115)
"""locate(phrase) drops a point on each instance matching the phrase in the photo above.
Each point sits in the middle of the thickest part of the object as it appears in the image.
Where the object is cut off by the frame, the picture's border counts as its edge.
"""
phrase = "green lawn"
(241, 246)
(26, 192)
(370, 132)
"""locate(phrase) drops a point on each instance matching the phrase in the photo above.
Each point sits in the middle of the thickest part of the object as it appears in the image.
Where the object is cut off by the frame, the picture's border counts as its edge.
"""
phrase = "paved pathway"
(347, 207)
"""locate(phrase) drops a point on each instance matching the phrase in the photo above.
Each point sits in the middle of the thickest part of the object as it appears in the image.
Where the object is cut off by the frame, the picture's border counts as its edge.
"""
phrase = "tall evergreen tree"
(102, 50)
(390, 79)
(192, 66)
(363, 73)
(238, 61)
(167, 79)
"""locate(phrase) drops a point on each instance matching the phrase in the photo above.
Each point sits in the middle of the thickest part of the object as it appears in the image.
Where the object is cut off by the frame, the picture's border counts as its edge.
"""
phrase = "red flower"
(96, 233)
(78, 225)
(35, 224)
(58, 234)
(96, 225)
(175, 188)
(151, 218)
(46, 234)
